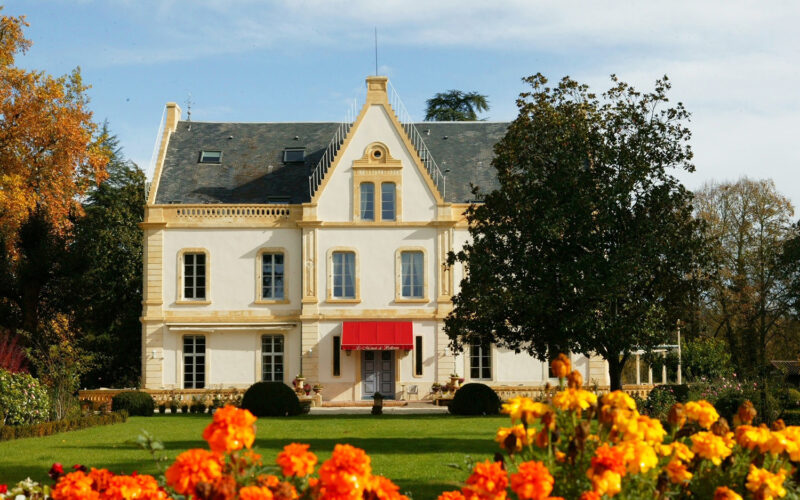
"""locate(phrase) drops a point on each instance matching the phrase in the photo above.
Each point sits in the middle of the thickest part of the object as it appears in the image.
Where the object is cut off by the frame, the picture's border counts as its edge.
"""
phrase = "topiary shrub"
(134, 402)
(271, 399)
(475, 399)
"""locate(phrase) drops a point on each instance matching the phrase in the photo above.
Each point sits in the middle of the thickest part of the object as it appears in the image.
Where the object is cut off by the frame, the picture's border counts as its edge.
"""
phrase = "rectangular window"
(210, 156)
(412, 275)
(480, 361)
(194, 362)
(272, 358)
(272, 276)
(387, 201)
(418, 355)
(344, 275)
(337, 355)
(194, 276)
(367, 201)
(294, 155)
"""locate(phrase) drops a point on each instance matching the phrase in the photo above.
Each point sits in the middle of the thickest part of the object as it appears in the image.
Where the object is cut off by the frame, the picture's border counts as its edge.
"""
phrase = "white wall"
(233, 255)
(336, 200)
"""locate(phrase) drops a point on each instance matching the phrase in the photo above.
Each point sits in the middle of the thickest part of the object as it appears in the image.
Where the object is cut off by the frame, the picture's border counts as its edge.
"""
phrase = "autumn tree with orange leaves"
(49, 154)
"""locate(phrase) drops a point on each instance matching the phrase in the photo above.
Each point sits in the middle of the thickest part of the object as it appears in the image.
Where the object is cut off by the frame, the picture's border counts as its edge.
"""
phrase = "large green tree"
(105, 260)
(748, 301)
(455, 106)
(589, 244)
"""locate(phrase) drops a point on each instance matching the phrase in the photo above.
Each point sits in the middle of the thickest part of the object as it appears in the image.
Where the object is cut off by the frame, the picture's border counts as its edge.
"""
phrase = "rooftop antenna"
(376, 51)
(189, 110)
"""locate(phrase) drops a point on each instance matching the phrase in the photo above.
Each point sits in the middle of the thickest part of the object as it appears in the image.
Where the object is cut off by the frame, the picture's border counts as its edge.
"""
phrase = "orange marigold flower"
(296, 460)
(451, 495)
(751, 437)
(561, 365)
(75, 486)
(608, 458)
(574, 400)
(710, 446)
(345, 474)
(488, 480)
(575, 379)
(381, 488)
(255, 493)
(766, 484)
(532, 480)
(701, 412)
(522, 409)
(791, 442)
(101, 478)
(192, 467)
(140, 487)
(677, 472)
(232, 429)
(745, 415)
(725, 493)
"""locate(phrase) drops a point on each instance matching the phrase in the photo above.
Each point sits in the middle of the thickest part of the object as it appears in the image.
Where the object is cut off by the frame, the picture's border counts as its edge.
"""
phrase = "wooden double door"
(377, 373)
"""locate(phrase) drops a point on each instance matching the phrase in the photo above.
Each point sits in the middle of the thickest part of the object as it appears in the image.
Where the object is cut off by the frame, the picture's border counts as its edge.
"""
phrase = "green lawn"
(412, 450)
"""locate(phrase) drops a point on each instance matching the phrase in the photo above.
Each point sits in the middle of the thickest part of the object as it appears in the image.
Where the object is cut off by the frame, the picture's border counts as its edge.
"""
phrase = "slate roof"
(252, 168)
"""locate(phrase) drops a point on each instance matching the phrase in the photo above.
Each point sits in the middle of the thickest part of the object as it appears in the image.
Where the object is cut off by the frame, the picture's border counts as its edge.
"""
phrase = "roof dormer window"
(294, 155)
(210, 156)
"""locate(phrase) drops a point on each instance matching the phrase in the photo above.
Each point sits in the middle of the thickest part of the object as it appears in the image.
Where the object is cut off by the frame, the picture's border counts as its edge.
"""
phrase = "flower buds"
(575, 379)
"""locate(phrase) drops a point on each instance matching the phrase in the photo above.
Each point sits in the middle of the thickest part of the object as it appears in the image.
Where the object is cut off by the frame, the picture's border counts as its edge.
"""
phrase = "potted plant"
(436, 387)
(317, 388)
(185, 408)
(162, 408)
(307, 389)
(173, 406)
(454, 378)
(299, 382)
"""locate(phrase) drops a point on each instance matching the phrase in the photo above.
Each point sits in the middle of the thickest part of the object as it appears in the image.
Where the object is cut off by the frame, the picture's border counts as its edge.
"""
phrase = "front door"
(377, 373)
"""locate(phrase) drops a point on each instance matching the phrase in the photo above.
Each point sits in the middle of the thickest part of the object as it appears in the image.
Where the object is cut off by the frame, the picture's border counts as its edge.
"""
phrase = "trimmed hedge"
(9, 432)
(271, 399)
(475, 399)
(136, 403)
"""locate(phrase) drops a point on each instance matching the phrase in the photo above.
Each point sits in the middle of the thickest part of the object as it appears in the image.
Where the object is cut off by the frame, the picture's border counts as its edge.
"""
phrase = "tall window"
(367, 201)
(194, 276)
(344, 275)
(480, 361)
(272, 358)
(387, 201)
(337, 355)
(418, 355)
(194, 362)
(272, 276)
(412, 274)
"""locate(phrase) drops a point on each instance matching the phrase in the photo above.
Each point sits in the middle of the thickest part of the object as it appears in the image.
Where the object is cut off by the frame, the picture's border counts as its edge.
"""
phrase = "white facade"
(232, 317)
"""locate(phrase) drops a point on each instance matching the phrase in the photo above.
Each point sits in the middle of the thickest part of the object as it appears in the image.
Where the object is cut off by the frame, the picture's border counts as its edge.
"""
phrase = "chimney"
(173, 116)
(376, 90)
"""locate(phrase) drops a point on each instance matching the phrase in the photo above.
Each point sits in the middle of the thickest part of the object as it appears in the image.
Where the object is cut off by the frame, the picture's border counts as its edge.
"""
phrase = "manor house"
(278, 249)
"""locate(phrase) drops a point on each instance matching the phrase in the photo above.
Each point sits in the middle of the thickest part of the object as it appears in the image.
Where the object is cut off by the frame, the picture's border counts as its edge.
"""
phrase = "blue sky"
(735, 65)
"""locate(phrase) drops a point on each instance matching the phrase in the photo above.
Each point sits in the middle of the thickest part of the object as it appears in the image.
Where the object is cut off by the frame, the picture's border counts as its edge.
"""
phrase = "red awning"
(377, 335)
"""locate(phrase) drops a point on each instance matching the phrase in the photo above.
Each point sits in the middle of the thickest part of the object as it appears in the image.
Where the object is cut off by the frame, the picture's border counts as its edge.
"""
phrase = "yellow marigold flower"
(751, 437)
(619, 399)
(701, 412)
(532, 481)
(639, 457)
(677, 472)
(765, 483)
(606, 483)
(296, 460)
(524, 410)
(574, 400)
(725, 493)
(792, 445)
(710, 446)
(561, 366)
(677, 450)
(634, 427)
(513, 439)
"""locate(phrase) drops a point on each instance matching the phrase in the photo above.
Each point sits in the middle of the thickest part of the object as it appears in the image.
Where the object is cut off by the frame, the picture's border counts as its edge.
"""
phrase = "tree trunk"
(615, 364)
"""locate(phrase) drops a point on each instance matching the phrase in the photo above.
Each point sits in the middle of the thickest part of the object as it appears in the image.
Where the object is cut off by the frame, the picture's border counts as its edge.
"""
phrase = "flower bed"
(574, 445)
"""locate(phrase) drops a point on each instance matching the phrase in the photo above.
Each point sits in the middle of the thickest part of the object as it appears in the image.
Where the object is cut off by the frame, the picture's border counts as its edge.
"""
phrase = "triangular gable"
(377, 95)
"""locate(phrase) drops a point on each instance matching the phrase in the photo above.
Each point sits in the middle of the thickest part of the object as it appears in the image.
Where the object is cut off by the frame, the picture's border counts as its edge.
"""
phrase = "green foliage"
(604, 269)
(10, 432)
(706, 357)
(475, 399)
(271, 399)
(136, 403)
(23, 400)
(105, 261)
(659, 401)
(455, 106)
